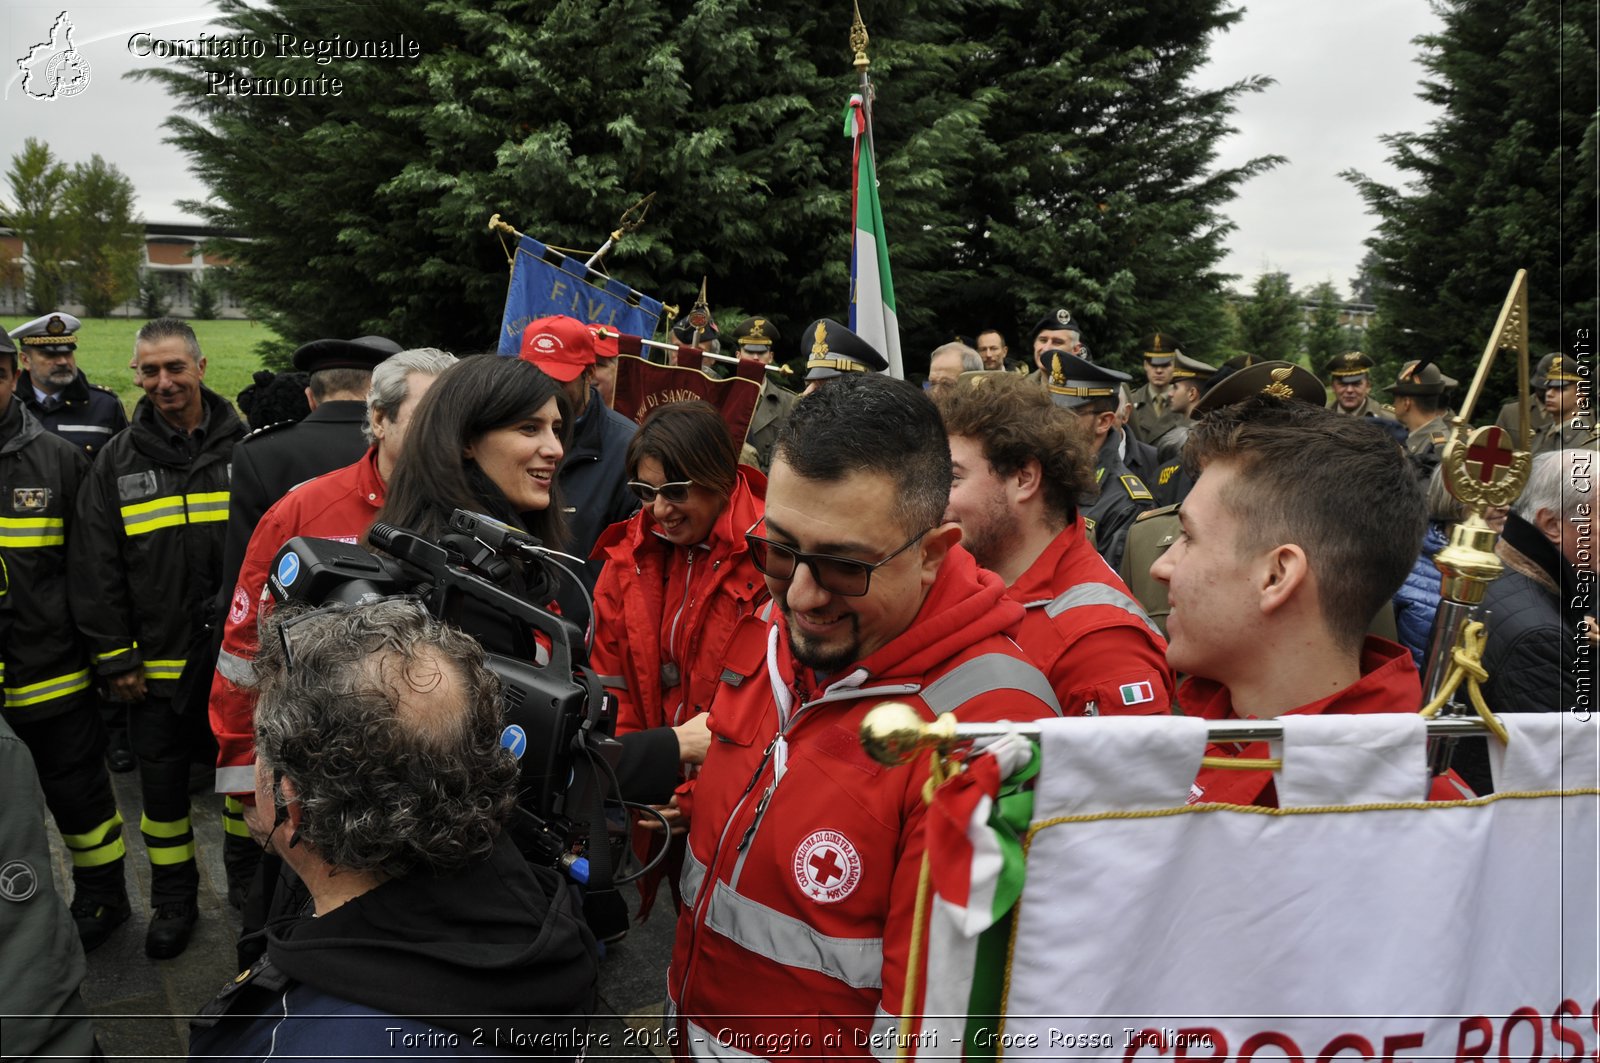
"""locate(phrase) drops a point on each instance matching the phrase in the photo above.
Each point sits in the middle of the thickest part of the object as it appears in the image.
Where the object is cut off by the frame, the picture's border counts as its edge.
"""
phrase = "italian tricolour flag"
(975, 860)
(872, 312)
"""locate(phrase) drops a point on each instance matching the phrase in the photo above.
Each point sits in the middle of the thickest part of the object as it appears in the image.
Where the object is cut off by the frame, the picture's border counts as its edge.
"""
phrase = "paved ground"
(142, 1005)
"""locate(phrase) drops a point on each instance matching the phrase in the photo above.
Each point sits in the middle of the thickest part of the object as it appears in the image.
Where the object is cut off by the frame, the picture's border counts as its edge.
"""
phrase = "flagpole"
(858, 43)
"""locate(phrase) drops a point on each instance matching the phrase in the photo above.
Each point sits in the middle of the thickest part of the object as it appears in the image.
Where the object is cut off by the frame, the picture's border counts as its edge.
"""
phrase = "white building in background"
(172, 250)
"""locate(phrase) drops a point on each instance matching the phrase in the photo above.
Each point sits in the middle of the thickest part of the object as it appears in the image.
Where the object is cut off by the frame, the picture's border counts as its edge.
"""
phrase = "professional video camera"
(558, 718)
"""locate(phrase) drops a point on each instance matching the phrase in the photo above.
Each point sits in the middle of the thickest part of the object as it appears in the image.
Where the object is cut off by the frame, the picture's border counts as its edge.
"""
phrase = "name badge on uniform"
(137, 485)
(30, 499)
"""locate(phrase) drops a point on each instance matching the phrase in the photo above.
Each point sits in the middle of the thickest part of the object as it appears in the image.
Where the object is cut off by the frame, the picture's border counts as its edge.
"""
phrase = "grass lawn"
(106, 344)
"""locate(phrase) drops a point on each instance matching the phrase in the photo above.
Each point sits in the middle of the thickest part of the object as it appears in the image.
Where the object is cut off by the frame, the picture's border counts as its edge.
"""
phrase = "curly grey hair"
(389, 775)
(391, 381)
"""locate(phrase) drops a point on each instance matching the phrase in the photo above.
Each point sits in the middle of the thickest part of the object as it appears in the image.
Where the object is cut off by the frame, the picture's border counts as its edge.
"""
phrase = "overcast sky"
(1346, 73)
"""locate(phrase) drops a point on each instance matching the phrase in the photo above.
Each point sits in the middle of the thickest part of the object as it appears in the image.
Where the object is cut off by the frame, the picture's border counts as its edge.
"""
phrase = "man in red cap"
(593, 475)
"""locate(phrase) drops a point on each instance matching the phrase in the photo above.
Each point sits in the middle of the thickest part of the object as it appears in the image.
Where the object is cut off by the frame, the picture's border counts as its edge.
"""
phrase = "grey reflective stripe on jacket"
(1096, 594)
(694, 873)
(783, 939)
(986, 674)
(239, 671)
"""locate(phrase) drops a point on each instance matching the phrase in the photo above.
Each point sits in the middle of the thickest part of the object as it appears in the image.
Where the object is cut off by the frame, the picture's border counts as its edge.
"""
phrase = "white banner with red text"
(1356, 922)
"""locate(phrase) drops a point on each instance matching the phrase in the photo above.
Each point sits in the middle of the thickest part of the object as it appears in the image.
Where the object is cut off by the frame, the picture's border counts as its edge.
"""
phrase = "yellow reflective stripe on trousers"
(92, 838)
(163, 669)
(170, 854)
(143, 517)
(47, 690)
(19, 532)
(209, 506)
(233, 817)
(176, 828)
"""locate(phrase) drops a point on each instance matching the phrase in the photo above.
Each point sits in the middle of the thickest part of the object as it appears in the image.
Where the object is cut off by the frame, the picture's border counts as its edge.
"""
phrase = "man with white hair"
(947, 363)
(1535, 610)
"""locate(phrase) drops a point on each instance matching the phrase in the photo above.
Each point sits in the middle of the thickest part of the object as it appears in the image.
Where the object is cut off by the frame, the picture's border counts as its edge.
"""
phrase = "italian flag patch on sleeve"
(1137, 693)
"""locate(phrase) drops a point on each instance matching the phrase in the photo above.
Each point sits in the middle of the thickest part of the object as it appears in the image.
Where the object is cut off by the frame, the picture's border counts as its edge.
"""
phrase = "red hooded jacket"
(1085, 630)
(1388, 683)
(661, 608)
(804, 854)
(339, 505)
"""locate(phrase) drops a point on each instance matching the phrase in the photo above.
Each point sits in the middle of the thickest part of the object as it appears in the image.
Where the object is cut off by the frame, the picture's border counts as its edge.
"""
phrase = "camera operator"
(381, 780)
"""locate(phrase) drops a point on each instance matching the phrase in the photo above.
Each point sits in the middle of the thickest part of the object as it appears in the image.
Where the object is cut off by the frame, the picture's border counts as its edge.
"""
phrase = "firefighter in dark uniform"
(835, 350)
(1156, 529)
(44, 667)
(55, 390)
(1090, 391)
(86, 415)
(146, 561)
(757, 339)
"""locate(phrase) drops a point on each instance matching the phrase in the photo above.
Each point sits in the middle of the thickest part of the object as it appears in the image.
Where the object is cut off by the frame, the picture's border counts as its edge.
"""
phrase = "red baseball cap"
(562, 347)
(605, 341)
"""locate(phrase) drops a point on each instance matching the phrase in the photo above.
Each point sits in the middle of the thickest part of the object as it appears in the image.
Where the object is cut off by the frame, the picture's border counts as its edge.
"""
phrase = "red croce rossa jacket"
(1388, 683)
(339, 505)
(804, 853)
(658, 604)
(1085, 630)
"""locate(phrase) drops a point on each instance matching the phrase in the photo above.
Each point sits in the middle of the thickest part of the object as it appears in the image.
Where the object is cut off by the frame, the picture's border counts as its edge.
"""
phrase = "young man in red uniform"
(1301, 525)
(801, 876)
(1020, 466)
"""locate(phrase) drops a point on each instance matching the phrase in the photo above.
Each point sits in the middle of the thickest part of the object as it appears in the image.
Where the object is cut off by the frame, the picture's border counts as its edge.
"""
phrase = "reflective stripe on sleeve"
(1098, 594)
(47, 690)
(163, 669)
(987, 674)
(240, 671)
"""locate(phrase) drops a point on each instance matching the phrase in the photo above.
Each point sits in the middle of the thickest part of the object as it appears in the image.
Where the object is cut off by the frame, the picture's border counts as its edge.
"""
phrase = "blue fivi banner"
(545, 282)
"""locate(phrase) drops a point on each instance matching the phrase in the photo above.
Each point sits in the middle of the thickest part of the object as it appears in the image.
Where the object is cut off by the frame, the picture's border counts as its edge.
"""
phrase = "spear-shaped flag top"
(872, 312)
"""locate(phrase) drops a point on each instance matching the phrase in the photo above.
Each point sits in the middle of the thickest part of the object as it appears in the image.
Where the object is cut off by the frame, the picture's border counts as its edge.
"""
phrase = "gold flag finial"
(859, 39)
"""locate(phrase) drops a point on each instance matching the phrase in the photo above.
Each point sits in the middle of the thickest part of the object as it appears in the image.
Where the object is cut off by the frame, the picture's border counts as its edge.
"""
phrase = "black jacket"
(496, 950)
(594, 478)
(45, 668)
(146, 559)
(1533, 631)
(1531, 651)
(1123, 496)
(88, 416)
(275, 458)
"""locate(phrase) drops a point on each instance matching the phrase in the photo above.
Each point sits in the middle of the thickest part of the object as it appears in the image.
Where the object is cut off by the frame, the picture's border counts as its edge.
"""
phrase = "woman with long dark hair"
(487, 437)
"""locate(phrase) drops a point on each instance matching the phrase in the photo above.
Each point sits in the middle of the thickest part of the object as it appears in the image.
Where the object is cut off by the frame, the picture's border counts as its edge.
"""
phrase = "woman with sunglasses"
(678, 576)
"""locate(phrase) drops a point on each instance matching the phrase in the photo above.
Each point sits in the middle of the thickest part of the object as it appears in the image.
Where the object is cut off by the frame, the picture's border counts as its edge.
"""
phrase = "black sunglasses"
(677, 493)
(844, 576)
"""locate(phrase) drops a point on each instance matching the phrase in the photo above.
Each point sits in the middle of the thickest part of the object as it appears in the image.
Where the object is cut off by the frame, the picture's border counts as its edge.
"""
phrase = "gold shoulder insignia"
(1439, 438)
(1166, 474)
(102, 387)
(1135, 487)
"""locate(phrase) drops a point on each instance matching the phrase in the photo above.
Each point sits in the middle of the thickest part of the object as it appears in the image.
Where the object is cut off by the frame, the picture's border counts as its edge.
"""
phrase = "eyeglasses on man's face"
(844, 576)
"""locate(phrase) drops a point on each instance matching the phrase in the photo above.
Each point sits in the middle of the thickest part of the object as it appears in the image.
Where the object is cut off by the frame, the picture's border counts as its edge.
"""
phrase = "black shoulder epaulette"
(264, 429)
(1163, 511)
(108, 391)
(1135, 487)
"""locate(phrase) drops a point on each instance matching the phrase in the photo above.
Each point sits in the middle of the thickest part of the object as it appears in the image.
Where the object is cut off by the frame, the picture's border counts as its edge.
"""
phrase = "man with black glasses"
(803, 860)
